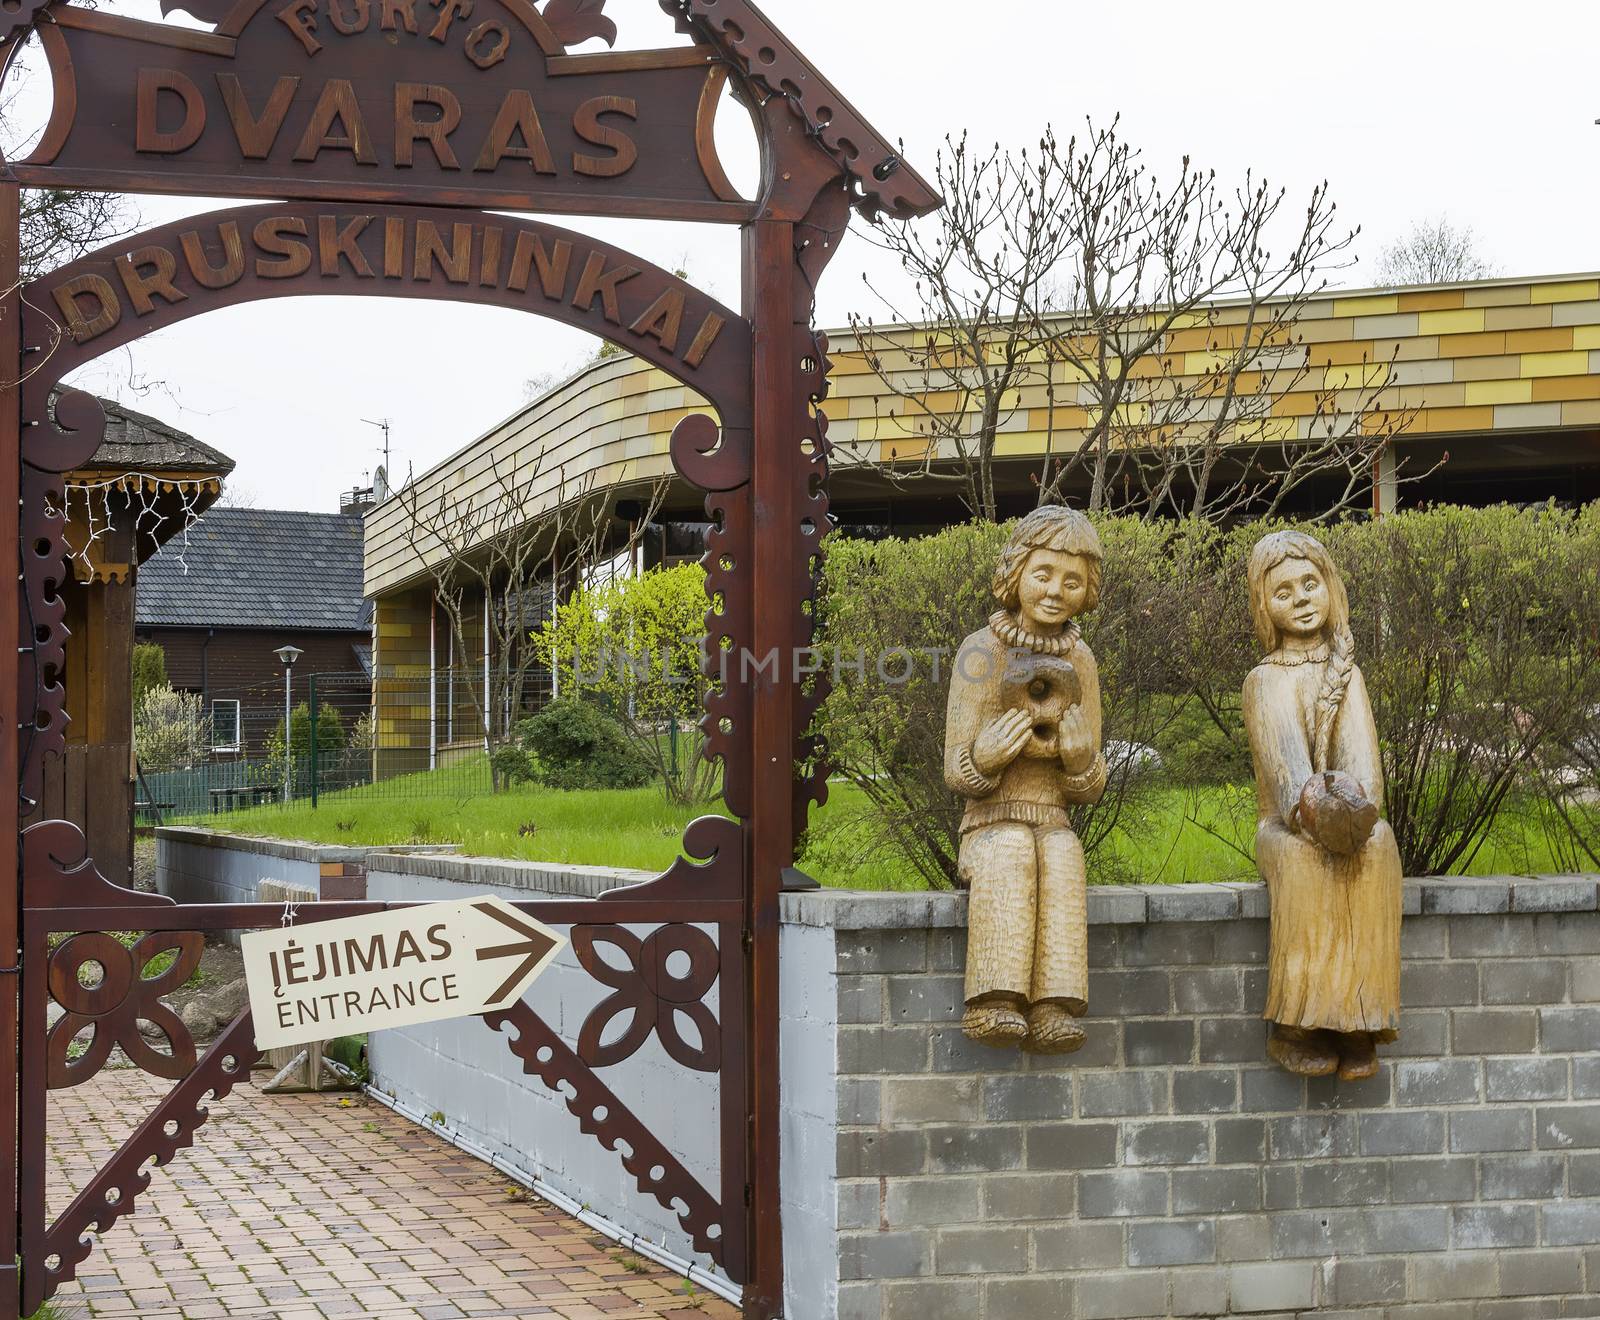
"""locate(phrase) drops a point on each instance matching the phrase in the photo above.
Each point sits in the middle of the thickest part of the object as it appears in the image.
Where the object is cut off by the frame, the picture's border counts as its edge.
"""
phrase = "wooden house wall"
(91, 783)
(239, 664)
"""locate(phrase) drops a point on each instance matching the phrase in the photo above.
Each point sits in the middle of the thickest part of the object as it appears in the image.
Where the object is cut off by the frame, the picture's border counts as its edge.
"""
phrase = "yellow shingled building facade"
(1498, 380)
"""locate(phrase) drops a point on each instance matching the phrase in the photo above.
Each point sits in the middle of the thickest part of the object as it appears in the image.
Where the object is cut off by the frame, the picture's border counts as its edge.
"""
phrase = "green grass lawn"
(1179, 838)
(636, 828)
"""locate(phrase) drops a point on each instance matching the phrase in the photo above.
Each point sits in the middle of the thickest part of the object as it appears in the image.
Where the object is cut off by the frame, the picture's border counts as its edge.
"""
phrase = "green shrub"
(350, 1052)
(575, 746)
(330, 732)
(1477, 630)
(511, 765)
(632, 645)
(170, 730)
(918, 595)
(1196, 748)
(149, 670)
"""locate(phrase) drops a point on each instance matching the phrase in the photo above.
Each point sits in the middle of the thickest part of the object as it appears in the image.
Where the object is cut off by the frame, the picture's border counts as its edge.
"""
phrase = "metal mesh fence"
(403, 733)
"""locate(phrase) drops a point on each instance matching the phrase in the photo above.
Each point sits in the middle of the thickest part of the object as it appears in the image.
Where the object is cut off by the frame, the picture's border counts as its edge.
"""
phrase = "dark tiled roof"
(257, 568)
(136, 443)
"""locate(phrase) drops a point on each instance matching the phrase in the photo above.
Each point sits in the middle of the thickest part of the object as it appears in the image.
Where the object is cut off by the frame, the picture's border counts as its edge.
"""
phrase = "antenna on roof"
(384, 427)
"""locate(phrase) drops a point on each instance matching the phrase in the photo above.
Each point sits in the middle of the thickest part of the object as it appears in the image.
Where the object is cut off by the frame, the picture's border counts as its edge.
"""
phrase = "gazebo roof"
(135, 442)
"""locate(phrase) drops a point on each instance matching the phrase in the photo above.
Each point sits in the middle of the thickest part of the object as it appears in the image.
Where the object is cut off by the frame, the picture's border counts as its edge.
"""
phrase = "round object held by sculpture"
(1046, 686)
(1335, 811)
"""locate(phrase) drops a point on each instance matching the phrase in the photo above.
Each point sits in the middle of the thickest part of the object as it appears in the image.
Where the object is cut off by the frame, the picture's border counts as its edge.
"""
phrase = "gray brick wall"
(1168, 1170)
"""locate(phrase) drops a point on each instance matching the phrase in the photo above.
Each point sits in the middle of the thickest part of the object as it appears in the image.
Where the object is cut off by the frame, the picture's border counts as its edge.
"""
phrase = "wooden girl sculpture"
(1022, 744)
(1330, 862)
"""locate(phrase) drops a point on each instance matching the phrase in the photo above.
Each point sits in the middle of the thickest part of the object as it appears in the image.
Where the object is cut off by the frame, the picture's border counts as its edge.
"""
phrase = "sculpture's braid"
(1335, 684)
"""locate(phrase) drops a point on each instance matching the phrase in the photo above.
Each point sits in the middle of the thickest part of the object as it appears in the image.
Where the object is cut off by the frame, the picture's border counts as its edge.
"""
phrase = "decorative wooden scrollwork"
(729, 629)
(574, 21)
(68, 430)
(709, 456)
(717, 459)
(811, 783)
(41, 658)
(57, 872)
(113, 1008)
(169, 1128)
(882, 181)
(718, 843)
(601, 1115)
(653, 992)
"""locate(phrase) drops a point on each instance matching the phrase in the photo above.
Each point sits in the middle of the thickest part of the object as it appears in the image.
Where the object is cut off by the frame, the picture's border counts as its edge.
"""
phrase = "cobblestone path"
(300, 1207)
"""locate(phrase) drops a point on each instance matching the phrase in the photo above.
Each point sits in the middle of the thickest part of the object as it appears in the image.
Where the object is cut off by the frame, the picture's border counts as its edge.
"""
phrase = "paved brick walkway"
(300, 1208)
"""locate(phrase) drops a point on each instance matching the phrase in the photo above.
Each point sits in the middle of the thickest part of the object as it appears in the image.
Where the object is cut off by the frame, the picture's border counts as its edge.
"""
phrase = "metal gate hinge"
(748, 940)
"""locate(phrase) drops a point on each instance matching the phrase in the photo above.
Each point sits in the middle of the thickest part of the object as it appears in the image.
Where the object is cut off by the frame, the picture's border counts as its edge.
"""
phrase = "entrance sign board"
(397, 969)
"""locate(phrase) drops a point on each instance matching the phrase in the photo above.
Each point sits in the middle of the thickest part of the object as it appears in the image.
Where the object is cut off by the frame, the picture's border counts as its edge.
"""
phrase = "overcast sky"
(1482, 112)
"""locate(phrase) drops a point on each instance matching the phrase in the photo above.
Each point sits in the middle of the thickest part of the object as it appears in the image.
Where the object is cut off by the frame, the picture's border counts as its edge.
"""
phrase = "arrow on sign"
(536, 945)
(427, 963)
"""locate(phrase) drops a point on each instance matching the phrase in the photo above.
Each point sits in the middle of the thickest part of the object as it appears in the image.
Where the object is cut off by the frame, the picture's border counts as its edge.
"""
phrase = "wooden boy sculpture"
(1022, 743)
(1330, 861)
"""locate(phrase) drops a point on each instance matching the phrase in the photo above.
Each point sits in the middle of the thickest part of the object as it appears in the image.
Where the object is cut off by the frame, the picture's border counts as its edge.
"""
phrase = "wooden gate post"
(10, 610)
(761, 373)
(769, 282)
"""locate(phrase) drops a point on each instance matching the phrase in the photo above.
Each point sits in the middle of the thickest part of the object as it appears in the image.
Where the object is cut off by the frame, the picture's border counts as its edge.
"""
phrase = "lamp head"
(288, 654)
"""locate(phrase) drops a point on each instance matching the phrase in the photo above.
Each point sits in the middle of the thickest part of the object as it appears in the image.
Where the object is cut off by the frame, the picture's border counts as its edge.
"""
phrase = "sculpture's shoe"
(994, 1024)
(1358, 1058)
(1304, 1053)
(1053, 1030)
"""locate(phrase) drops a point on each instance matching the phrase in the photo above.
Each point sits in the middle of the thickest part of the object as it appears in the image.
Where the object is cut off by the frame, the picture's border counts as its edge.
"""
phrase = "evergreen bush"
(576, 746)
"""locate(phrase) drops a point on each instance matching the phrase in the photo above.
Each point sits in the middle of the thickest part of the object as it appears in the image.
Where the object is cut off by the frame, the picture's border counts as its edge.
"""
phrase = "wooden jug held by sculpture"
(1328, 857)
(1335, 812)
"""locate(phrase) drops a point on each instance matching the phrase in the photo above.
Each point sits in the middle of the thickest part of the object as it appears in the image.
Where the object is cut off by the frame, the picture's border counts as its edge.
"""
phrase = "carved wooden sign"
(87, 308)
(381, 142)
(452, 102)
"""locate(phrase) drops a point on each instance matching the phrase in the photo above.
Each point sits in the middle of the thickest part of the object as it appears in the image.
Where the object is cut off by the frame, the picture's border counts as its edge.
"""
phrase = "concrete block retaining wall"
(1166, 1170)
(204, 866)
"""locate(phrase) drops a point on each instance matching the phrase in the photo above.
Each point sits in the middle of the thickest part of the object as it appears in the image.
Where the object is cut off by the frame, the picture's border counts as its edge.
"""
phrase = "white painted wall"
(468, 1073)
(809, 1016)
(192, 871)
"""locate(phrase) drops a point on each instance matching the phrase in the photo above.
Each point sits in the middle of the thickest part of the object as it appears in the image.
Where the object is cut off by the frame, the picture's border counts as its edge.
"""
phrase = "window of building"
(224, 726)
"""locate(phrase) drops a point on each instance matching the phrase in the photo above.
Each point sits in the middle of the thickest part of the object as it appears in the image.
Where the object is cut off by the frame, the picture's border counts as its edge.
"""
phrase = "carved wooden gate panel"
(387, 129)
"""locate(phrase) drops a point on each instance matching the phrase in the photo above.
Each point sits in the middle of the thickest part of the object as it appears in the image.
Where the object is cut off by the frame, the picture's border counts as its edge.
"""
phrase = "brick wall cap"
(856, 909)
(294, 850)
(1109, 905)
(536, 877)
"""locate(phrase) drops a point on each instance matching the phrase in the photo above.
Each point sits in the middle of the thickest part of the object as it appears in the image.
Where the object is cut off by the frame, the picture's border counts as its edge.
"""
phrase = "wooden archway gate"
(384, 128)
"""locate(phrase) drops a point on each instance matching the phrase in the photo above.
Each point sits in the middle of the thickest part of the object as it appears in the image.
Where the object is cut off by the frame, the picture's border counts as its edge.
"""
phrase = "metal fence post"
(313, 742)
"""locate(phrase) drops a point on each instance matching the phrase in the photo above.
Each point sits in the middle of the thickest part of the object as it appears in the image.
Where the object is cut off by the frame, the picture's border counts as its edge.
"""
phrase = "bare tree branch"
(496, 550)
(1434, 252)
(1163, 334)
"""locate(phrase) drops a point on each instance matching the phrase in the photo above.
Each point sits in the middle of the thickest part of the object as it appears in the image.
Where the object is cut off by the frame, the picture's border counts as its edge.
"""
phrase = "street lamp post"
(287, 655)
